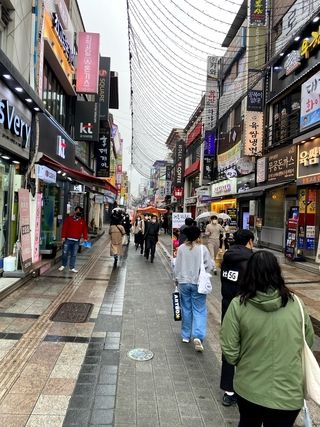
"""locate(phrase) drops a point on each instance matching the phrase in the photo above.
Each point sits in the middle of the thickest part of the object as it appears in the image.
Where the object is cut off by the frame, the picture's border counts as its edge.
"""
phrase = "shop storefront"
(308, 203)
(222, 194)
(15, 140)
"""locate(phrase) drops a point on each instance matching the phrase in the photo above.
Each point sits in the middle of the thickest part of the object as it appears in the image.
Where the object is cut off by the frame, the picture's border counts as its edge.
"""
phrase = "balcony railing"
(285, 127)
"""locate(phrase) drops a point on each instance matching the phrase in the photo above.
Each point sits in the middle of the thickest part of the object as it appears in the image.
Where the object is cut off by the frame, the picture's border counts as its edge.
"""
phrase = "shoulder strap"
(302, 315)
(119, 229)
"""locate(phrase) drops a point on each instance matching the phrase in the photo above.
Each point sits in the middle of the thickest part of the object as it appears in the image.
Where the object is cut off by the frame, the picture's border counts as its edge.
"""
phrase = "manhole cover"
(72, 312)
(140, 354)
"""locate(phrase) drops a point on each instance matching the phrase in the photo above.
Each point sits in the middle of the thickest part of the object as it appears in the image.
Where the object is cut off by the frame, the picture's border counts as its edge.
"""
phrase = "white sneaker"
(61, 268)
(197, 345)
(73, 270)
(186, 340)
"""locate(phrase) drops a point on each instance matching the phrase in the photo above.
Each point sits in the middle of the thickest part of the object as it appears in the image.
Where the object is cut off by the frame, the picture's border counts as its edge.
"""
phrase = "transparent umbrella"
(205, 216)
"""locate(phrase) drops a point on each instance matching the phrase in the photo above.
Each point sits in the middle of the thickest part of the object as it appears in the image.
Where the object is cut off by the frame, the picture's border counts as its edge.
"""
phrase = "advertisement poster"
(25, 235)
(36, 246)
(291, 232)
(178, 220)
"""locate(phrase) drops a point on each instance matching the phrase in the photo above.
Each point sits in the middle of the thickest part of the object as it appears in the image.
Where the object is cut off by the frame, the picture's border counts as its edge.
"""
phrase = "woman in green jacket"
(261, 335)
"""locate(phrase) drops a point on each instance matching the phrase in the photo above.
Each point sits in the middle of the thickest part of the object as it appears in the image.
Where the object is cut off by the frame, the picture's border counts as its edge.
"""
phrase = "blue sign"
(209, 143)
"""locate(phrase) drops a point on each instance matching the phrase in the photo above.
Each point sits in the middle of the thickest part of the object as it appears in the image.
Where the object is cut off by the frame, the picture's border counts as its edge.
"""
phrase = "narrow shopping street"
(61, 374)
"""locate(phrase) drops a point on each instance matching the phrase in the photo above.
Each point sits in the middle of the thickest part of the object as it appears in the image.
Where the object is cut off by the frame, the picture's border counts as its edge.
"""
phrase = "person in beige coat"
(116, 232)
(213, 231)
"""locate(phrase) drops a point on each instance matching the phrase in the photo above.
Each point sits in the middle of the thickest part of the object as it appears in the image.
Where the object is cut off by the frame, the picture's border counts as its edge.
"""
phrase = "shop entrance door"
(289, 203)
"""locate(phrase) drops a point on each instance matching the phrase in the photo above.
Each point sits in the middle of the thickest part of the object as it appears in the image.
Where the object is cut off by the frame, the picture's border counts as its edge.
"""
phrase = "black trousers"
(227, 370)
(150, 246)
(252, 415)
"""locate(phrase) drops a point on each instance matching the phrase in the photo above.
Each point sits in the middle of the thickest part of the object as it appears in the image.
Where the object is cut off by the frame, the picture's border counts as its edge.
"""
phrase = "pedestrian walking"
(213, 231)
(138, 231)
(127, 226)
(151, 237)
(116, 232)
(193, 304)
(188, 222)
(233, 269)
(165, 224)
(261, 335)
(73, 229)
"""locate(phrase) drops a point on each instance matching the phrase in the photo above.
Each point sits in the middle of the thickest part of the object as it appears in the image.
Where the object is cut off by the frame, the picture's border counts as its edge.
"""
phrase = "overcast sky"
(170, 42)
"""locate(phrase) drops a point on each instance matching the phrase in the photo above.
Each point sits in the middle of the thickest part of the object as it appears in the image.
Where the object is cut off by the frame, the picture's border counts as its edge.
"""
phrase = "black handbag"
(176, 305)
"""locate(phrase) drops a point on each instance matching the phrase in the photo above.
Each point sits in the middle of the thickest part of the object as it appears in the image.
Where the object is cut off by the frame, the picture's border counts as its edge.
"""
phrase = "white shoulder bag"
(204, 282)
(311, 369)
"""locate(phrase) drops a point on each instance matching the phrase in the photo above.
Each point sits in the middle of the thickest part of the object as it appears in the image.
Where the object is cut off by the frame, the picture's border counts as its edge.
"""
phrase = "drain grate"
(72, 312)
(140, 354)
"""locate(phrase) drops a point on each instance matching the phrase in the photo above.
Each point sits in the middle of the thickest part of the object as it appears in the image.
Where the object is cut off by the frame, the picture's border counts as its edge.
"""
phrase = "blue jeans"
(70, 247)
(194, 312)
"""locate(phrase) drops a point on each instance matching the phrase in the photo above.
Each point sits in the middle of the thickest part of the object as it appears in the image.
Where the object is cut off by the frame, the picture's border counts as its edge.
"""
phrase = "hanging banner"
(88, 62)
(257, 13)
(104, 87)
(86, 121)
(36, 245)
(102, 153)
(24, 226)
(207, 168)
(209, 143)
(179, 164)
(211, 103)
(253, 133)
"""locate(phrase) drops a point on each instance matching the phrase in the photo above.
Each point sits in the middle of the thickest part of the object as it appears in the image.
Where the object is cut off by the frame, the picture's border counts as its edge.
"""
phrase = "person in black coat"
(151, 237)
(233, 269)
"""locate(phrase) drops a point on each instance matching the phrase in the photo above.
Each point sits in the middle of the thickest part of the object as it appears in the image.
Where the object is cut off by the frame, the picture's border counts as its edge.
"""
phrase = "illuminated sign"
(14, 123)
(88, 63)
(310, 43)
(62, 38)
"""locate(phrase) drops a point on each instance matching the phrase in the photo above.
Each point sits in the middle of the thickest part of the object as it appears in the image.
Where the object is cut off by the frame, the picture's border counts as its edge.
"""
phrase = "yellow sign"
(309, 44)
(51, 36)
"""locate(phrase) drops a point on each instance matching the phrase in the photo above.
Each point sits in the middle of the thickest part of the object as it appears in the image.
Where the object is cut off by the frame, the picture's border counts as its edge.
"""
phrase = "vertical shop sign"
(212, 94)
(209, 143)
(179, 166)
(292, 232)
(255, 100)
(87, 121)
(253, 133)
(88, 63)
(310, 102)
(168, 172)
(104, 86)
(168, 188)
(257, 13)
(24, 225)
(102, 153)
(207, 168)
(36, 246)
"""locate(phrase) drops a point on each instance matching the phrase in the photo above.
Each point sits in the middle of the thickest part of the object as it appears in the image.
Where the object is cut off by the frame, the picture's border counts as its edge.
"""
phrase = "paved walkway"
(55, 374)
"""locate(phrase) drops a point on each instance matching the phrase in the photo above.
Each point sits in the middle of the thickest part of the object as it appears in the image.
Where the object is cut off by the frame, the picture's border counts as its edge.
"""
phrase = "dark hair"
(263, 274)
(78, 208)
(242, 237)
(188, 221)
(213, 217)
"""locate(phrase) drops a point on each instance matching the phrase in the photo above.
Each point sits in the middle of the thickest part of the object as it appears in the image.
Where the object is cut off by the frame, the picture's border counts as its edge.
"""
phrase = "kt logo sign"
(86, 128)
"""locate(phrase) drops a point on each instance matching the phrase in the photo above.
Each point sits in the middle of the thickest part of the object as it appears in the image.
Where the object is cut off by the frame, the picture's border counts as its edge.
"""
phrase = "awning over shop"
(192, 169)
(78, 175)
(255, 192)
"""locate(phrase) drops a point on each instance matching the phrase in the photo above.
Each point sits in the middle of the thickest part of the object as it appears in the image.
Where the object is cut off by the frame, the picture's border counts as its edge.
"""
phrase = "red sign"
(88, 63)
(196, 131)
(178, 192)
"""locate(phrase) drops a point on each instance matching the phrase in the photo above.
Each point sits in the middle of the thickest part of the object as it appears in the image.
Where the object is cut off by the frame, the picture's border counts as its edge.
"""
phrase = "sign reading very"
(12, 121)
(88, 63)
(310, 102)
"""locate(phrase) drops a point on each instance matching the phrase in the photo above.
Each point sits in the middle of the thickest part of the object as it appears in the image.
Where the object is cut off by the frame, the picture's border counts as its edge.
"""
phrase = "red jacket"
(74, 228)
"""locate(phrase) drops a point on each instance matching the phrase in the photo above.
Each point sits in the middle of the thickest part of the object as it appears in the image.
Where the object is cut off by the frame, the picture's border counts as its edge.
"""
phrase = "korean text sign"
(253, 133)
(88, 63)
(310, 102)
(25, 234)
